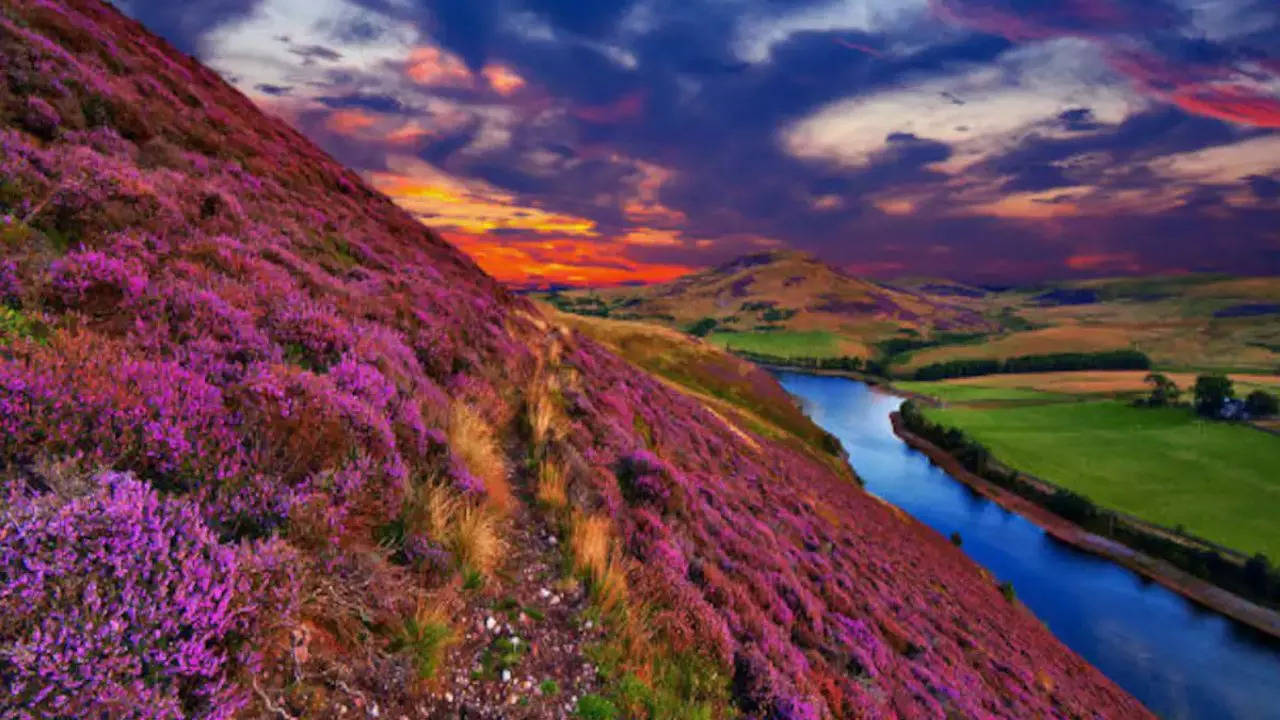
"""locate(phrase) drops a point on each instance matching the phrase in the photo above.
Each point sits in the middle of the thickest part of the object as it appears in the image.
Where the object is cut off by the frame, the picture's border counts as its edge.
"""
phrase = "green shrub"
(1006, 589)
(594, 707)
(425, 637)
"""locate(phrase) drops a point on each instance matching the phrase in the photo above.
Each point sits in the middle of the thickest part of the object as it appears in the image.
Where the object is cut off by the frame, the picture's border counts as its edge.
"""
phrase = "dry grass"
(544, 414)
(1086, 382)
(594, 554)
(552, 489)
(476, 539)
(471, 532)
(432, 510)
(1063, 338)
(476, 445)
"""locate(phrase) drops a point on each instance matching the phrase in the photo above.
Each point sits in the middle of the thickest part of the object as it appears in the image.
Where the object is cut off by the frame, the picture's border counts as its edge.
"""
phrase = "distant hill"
(1191, 322)
(787, 303)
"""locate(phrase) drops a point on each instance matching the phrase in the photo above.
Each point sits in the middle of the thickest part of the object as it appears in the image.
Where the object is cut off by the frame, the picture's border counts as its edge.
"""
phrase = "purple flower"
(119, 602)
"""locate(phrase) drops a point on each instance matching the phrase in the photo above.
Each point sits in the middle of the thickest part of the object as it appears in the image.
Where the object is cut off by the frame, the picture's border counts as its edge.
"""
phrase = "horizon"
(1001, 141)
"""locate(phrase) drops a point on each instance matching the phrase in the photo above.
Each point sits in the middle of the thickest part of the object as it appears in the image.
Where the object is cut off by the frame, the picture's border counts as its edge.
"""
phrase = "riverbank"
(1189, 586)
(883, 384)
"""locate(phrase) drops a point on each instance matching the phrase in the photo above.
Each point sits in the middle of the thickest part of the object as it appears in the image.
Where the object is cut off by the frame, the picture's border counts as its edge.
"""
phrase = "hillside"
(1188, 322)
(270, 448)
(784, 303)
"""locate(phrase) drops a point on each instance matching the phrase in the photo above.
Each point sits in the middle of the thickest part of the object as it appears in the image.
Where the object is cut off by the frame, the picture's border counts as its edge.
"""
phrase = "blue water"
(1180, 660)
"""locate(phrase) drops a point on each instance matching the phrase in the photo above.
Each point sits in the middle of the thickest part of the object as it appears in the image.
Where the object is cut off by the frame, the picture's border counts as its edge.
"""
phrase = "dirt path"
(522, 639)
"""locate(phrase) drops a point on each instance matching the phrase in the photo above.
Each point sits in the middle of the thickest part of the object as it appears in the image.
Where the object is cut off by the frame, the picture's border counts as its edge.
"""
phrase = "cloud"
(624, 139)
(1161, 46)
(975, 111)
(187, 24)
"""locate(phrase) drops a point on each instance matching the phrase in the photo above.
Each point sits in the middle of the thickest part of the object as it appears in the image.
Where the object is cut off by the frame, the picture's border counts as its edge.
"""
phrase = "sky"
(612, 141)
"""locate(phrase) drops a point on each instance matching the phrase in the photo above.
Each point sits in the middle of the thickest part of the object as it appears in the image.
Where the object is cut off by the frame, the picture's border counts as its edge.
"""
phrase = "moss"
(15, 325)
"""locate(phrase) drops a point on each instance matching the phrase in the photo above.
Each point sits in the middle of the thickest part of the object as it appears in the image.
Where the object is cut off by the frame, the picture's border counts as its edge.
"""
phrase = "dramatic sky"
(606, 141)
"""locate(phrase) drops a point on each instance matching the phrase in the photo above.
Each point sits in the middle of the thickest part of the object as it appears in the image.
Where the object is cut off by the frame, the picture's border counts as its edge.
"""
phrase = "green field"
(784, 343)
(1218, 480)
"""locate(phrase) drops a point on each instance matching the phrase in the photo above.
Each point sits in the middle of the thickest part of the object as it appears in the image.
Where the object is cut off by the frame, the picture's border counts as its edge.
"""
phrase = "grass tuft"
(477, 446)
(476, 540)
(552, 489)
(425, 637)
(594, 555)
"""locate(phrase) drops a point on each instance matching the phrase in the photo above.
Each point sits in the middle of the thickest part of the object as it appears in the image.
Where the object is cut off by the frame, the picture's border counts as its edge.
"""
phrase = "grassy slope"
(812, 309)
(813, 343)
(1167, 466)
(733, 387)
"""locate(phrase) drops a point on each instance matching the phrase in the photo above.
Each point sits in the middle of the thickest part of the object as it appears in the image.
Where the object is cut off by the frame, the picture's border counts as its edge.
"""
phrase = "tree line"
(1053, 362)
(846, 363)
(1254, 579)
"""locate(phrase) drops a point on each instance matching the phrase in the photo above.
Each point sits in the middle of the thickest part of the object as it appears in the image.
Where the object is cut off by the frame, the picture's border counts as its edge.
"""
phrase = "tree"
(703, 327)
(1211, 392)
(1164, 392)
(1261, 403)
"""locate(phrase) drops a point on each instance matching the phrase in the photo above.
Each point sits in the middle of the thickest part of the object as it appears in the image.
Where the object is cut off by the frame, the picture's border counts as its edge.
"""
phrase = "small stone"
(506, 676)
(490, 623)
(448, 697)
(587, 625)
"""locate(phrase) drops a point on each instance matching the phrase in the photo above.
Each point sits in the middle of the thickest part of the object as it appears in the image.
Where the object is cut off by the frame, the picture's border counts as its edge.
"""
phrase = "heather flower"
(119, 602)
(41, 118)
(644, 478)
(95, 280)
(10, 283)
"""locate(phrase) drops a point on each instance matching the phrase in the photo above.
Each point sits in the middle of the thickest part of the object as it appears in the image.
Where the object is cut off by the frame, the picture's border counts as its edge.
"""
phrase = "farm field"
(1083, 382)
(1217, 480)
(786, 343)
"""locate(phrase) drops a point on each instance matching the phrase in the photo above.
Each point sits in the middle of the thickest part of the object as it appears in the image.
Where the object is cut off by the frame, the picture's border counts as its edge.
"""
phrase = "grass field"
(1065, 338)
(787, 343)
(1217, 480)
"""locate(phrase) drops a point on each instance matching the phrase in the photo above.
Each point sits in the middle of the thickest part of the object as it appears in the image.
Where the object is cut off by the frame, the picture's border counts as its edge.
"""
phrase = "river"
(1182, 661)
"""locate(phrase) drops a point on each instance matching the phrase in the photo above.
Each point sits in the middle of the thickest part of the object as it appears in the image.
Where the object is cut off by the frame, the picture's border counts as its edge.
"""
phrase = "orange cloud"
(646, 208)
(350, 122)
(435, 67)
(408, 134)
(653, 238)
(448, 203)
(502, 79)
(562, 260)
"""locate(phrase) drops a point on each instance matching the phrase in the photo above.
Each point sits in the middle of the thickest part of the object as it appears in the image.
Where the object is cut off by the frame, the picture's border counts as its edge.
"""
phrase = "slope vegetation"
(269, 448)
